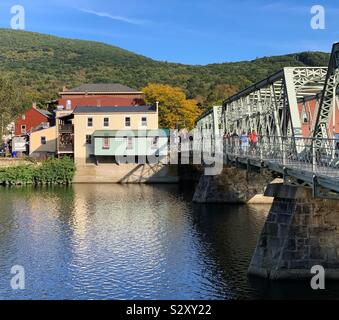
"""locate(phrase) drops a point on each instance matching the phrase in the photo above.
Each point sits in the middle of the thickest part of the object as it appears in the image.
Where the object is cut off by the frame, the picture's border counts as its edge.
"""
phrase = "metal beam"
(328, 97)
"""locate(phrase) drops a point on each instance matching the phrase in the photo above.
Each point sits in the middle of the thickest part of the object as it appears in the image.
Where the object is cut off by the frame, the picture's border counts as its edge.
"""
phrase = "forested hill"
(44, 64)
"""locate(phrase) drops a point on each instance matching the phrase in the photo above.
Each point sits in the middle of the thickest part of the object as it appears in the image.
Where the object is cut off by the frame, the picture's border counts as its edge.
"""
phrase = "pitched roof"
(119, 109)
(44, 112)
(102, 88)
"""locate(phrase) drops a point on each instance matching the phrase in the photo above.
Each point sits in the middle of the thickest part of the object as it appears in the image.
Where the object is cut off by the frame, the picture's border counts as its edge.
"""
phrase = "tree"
(174, 108)
(220, 93)
(11, 102)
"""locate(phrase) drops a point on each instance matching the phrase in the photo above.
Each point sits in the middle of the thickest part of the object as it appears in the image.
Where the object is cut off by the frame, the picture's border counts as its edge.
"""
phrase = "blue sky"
(185, 31)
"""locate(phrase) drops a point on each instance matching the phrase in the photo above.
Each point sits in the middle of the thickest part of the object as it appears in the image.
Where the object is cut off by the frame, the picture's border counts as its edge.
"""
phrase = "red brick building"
(308, 111)
(31, 119)
(103, 95)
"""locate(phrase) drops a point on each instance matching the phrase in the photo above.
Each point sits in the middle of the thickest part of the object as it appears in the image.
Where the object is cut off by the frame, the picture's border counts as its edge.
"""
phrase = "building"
(308, 109)
(31, 119)
(94, 124)
(100, 94)
(61, 137)
(43, 142)
(106, 132)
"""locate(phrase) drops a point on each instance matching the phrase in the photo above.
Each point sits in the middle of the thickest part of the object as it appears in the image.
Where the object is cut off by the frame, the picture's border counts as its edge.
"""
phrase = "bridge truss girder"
(328, 98)
(271, 106)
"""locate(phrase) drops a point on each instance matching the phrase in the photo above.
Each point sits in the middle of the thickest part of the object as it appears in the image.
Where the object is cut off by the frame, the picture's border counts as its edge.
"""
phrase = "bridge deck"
(326, 177)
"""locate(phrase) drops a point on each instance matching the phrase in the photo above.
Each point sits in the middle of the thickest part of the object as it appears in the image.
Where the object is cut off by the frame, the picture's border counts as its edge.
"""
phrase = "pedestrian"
(253, 140)
(244, 141)
(235, 142)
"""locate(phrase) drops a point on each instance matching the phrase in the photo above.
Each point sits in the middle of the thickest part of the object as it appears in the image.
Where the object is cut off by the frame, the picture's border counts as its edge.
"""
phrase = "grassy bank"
(50, 172)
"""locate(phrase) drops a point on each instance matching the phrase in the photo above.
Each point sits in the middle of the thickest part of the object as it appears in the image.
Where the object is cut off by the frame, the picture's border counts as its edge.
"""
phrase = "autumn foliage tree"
(175, 110)
(220, 93)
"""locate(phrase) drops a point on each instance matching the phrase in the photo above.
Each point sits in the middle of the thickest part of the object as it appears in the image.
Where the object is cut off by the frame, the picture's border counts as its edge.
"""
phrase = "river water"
(132, 242)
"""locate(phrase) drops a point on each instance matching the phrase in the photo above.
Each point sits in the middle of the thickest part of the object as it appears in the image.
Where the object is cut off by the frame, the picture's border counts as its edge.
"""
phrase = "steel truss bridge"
(275, 108)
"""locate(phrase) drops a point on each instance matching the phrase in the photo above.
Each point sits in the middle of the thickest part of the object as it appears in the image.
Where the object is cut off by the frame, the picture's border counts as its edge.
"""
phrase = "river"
(132, 242)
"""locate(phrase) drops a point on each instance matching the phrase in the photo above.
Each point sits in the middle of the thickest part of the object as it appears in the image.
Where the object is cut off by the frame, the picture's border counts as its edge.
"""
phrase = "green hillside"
(44, 64)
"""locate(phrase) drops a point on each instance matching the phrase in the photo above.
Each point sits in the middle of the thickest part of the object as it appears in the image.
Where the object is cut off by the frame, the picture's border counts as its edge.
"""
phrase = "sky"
(185, 31)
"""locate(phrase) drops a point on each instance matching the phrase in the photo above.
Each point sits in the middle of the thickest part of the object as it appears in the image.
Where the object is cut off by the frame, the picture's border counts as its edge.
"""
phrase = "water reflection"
(130, 242)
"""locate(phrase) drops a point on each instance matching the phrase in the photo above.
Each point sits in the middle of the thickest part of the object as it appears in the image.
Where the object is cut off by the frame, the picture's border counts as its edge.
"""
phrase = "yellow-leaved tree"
(175, 110)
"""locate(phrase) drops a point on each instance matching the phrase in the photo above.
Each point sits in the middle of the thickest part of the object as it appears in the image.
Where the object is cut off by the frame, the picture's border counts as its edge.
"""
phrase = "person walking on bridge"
(253, 137)
(244, 142)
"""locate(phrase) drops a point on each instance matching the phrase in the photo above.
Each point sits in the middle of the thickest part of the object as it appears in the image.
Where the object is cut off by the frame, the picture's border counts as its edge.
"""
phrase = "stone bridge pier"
(234, 185)
(299, 233)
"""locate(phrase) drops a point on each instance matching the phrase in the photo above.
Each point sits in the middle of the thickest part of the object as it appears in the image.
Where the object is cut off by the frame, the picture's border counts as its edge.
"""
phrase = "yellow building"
(88, 121)
(43, 142)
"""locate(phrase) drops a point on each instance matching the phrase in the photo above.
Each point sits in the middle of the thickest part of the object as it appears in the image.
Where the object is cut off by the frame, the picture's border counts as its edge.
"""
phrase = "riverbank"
(127, 173)
(14, 162)
(49, 172)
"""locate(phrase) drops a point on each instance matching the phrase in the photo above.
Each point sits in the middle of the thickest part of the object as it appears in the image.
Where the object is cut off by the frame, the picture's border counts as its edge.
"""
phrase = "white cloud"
(116, 18)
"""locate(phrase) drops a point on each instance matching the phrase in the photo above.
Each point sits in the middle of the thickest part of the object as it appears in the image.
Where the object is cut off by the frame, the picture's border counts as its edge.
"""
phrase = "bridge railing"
(296, 152)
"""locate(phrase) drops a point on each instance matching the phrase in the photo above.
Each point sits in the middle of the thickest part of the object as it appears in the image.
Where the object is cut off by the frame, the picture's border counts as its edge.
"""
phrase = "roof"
(129, 133)
(101, 88)
(44, 112)
(119, 109)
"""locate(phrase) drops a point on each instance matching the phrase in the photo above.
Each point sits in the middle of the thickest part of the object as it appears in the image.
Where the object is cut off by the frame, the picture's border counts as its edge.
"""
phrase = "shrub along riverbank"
(50, 172)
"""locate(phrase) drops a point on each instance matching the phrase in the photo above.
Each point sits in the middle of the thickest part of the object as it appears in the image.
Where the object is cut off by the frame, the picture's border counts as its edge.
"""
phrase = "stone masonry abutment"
(233, 185)
(299, 233)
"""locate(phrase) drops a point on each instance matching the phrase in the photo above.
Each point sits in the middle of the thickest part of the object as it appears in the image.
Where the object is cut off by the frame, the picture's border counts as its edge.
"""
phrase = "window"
(23, 129)
(105, 143)
(68, 105)
(89, 122)
(129, 143)
(155, 143)
(144, 121)
(43, 140)
(127, 122)
(305, 117)
(106, 122)
(88, 139)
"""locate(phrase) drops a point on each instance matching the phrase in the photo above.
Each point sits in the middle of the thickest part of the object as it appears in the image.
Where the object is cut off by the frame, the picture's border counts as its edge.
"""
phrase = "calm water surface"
(132, 242)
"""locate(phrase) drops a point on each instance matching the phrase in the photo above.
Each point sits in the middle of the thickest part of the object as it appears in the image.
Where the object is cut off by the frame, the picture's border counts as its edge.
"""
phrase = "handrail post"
(314, 155)
(283, 151)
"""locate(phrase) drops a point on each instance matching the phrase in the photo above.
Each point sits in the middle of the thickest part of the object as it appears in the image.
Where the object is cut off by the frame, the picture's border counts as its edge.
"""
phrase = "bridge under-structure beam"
(302, 227)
